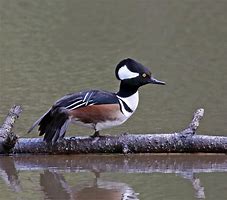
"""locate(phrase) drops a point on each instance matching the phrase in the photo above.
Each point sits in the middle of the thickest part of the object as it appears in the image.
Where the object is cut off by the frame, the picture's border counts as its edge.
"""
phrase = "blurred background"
(51, 48)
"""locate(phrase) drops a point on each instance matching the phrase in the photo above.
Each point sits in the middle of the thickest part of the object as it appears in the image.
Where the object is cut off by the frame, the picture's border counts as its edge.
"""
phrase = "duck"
(97, 109)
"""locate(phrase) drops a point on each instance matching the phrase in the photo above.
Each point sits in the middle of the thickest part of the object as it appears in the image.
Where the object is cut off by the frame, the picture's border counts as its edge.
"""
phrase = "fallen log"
(186, 141)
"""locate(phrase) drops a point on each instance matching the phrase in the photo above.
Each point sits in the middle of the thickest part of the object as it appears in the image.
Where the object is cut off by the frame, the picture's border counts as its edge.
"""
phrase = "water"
(114, 177)
(50, 48)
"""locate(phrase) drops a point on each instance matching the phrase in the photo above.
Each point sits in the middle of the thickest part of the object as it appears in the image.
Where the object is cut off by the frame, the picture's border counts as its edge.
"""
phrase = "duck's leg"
(96, 134)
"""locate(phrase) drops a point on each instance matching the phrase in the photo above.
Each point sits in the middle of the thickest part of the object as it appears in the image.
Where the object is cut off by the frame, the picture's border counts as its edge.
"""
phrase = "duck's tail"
(53, 124)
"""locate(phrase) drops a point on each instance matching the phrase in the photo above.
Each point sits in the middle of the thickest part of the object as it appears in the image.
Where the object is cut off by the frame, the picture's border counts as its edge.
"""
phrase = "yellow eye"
(144, 75)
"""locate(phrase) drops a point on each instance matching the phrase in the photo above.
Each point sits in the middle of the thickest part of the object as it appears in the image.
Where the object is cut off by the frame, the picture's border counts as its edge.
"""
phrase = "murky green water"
(50, 48)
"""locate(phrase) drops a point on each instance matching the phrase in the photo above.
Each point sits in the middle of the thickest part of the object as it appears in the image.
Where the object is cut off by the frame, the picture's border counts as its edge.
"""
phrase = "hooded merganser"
(97, 109)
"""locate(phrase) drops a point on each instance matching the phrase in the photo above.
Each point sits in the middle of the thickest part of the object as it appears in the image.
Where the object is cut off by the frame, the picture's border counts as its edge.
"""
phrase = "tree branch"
(185, 141)
(7, 138)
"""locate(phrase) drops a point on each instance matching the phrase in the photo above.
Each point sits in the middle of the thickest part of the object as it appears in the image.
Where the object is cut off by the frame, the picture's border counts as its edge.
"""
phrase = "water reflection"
(142, 163)
(9, 174)
(53, 170)
(196, 183)
(55, 186)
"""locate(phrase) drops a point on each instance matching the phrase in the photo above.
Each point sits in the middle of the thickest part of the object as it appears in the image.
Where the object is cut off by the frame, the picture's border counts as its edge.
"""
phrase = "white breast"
(132, 102)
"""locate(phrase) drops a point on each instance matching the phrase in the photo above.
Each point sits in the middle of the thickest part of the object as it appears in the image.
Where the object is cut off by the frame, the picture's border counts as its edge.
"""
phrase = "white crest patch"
(125, 73)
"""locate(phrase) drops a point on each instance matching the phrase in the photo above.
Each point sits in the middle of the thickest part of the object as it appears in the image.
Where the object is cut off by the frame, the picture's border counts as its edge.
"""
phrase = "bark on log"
(149, 143)
(185, 141)
(7, 138)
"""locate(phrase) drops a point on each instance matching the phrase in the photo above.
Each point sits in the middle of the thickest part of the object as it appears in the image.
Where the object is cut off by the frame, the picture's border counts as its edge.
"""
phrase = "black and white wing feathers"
(86, 98)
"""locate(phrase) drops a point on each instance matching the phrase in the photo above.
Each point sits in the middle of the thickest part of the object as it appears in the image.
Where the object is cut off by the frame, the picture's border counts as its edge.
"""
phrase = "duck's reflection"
(55, 186)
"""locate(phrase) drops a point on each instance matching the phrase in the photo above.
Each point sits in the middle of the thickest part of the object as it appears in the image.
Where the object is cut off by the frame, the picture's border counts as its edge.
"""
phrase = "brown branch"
(185, 141)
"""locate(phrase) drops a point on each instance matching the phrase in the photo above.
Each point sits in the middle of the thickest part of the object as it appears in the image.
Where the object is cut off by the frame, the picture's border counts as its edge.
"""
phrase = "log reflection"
(143, 163)
(9, 173)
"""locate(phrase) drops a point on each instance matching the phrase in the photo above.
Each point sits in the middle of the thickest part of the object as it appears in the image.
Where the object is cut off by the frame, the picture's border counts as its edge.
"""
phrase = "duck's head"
(134, 73)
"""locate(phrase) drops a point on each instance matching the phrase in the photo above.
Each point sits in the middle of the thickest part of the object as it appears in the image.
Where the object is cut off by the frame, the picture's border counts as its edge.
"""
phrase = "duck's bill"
(155, 81)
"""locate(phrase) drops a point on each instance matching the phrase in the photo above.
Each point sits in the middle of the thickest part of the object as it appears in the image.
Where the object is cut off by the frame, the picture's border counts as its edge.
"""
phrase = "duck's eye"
(144, 75)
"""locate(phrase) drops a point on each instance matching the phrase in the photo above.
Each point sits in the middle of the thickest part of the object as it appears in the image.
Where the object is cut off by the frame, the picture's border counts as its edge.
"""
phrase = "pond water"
(114, 177)
(51, 48)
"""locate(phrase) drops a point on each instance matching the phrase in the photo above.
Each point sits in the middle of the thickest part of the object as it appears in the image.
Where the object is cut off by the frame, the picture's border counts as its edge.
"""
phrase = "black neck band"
(127, 90)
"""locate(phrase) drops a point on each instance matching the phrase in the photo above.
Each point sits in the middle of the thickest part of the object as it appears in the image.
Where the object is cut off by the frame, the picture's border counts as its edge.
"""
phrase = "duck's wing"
(86, 98)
